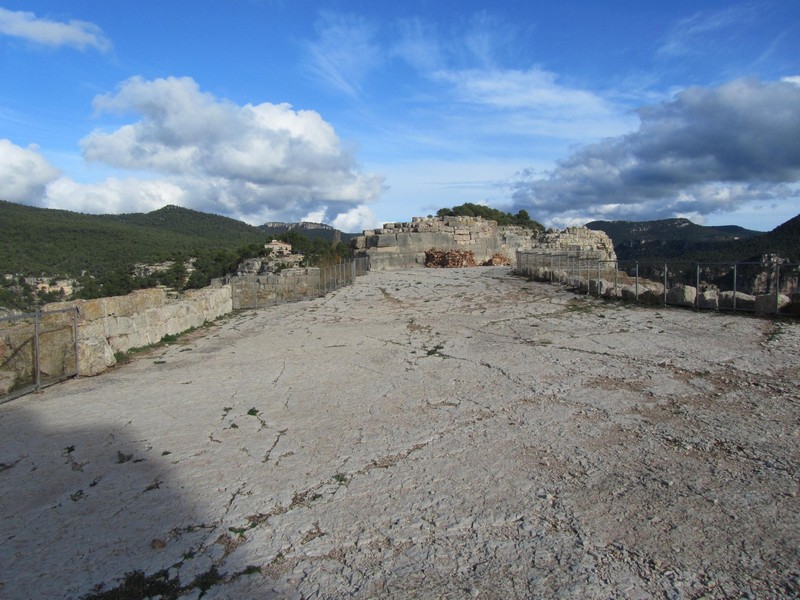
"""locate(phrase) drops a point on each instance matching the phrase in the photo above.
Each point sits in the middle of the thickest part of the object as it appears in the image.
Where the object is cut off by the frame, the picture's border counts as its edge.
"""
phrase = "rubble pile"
(498, 260)
(450, 259)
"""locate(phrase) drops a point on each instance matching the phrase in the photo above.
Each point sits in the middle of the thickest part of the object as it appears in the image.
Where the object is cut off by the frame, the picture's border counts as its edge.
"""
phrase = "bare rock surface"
(424, 433)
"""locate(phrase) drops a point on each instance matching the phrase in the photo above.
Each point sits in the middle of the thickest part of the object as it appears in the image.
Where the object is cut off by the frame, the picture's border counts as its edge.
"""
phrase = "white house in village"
(279, 248)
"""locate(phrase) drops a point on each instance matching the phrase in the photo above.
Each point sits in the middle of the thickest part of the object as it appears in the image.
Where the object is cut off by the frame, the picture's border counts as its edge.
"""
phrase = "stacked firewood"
(450, 259)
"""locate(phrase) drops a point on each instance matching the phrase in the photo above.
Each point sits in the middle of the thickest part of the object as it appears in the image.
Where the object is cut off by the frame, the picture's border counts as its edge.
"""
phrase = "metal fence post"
(598, 278)
(734, 288)
(777, 288)
(75, 341)
(636, 294)
(665, 284)
(697, 287)
(37, 370)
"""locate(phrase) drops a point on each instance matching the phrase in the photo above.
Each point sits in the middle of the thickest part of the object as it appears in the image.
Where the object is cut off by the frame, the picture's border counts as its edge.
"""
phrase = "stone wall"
(645, 291)
(286, 286)
(403, 245)
(578, 242)
(144, 317)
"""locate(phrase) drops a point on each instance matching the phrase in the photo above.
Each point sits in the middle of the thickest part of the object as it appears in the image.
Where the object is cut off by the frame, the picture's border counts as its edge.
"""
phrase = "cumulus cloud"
(24, 174)
(356, 220)
(252, 162)
(78, 34)
(708, 150)
(113, 195)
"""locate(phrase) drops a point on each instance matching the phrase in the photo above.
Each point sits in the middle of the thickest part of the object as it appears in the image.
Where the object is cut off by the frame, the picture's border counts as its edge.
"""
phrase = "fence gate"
(37, 350)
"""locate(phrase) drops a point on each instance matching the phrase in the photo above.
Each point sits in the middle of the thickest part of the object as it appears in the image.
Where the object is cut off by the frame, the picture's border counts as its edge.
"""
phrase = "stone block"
(94, 356)
(628, 293)
(652, 293)
(682, 295)
(386, 240)
(709, 299)
(767, 304)
(743, 301)
(405, 239)
(7, 381)
(56, 352)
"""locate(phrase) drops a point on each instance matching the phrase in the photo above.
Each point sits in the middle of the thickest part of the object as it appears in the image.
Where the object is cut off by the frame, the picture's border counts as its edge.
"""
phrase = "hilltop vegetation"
(99, 251)
(40, 241)
(503, 218)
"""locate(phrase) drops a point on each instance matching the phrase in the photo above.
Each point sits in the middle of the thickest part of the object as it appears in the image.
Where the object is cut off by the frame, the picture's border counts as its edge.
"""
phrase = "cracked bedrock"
(420, 433)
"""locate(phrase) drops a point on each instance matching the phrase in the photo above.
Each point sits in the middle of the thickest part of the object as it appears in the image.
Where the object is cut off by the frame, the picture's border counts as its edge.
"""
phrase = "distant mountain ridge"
(301, 225)
(680, 239)
(38, 241)
(307, 228)
(669, 229)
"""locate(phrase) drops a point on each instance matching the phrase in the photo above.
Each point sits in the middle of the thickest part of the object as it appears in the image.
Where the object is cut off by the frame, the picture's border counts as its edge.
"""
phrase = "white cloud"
(418, 45)
(356, 220)
(78, 34)
(533, 103)
(695, 34)
(113, 195)
(256, 163)
(343, 53)
(24, 174)
(252, 162)
(709, 150)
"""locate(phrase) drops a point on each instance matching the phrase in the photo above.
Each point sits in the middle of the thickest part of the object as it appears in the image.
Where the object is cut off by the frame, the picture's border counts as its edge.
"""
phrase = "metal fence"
(757, 287)
(291, 285)
(37, 350)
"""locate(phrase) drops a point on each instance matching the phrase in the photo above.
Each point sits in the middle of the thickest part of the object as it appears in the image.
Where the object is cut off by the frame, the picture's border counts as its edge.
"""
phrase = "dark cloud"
(711, 149)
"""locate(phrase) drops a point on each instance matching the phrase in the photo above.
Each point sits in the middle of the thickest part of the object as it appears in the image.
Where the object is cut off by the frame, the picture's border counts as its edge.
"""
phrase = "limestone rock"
(94, 356)
(682, 295)
(767, 304)
(708, 299)
(498, 260)
(652, 293)
(7, 381)
(743, 301)
(399, 245)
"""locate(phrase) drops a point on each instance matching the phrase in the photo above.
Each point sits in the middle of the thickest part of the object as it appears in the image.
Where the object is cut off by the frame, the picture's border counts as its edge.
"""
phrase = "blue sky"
(358, 113)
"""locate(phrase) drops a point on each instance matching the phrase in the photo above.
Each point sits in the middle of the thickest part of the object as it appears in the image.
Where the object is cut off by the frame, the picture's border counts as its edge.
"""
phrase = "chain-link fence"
(768, 287)
(291, 285)
(37, 350)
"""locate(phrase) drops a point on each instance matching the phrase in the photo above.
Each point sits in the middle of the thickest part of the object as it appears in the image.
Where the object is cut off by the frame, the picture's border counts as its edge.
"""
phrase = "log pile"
(450, 259)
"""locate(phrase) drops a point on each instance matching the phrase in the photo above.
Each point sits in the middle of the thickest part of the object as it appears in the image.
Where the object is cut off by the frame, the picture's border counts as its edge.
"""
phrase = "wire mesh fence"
(766, 287)
(291, 285)
(37, 350)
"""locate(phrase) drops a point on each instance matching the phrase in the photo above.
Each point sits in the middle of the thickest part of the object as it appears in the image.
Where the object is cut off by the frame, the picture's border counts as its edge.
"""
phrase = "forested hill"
(668, 230)
(680, 239)
(37, 241)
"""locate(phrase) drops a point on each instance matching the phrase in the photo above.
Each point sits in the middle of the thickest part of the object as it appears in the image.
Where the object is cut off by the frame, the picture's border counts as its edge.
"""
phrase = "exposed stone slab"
(421, 434)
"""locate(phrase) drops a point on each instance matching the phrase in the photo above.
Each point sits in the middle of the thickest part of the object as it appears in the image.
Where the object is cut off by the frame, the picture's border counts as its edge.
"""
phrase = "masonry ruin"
(403, 245)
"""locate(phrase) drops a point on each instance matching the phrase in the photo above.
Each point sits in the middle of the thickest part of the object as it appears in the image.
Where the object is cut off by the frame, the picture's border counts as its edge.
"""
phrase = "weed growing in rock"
(435, 350)
(579, 305)
(123, 458)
